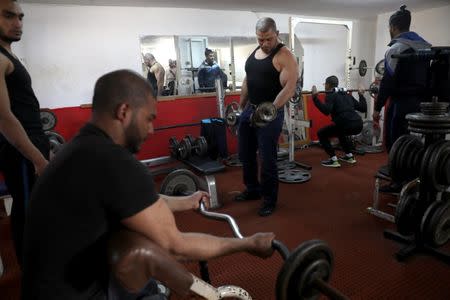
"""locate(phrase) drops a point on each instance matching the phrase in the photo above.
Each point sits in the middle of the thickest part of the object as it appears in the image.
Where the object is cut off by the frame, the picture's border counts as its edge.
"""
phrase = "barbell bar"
(373, 89)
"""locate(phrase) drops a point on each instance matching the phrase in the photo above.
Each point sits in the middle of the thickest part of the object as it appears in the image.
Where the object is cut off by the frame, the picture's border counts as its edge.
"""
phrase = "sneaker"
(331, 163)
(349, 160)
(266, 209)
(391, 188)
(245, 196)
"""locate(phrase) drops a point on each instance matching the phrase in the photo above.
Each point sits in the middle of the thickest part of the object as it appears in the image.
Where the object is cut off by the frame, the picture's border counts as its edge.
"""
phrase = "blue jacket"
(403, 81)
(207, 75)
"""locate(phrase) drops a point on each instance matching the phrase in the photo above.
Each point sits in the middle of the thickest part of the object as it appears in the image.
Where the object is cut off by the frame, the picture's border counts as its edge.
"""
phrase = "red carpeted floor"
(332, 207)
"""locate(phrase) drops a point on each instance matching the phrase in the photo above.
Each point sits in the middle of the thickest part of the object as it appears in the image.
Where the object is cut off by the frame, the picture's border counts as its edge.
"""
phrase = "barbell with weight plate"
(306, 270)
(373, 90)
(362, 68)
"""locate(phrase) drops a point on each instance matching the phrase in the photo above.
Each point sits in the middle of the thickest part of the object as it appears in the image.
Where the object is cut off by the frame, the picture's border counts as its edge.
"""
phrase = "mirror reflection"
(186, 65)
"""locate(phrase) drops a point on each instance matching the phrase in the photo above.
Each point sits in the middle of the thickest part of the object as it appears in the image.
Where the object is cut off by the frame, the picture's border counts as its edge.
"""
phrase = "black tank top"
(24, 104)
(263, 80)
(153, 82)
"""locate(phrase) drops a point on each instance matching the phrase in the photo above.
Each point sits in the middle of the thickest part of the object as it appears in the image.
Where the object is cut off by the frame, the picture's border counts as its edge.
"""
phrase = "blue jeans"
(265, 141)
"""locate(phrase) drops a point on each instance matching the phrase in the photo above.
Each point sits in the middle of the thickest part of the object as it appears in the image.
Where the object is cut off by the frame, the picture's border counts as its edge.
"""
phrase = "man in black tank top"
(24, 148)
(271, 75)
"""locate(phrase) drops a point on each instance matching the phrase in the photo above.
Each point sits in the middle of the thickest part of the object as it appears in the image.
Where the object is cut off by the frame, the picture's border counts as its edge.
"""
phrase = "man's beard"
(8, 39)
(133, 140)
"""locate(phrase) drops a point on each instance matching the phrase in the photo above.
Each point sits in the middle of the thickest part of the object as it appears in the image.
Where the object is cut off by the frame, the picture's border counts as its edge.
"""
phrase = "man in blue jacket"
(403, 82)
(208, 71)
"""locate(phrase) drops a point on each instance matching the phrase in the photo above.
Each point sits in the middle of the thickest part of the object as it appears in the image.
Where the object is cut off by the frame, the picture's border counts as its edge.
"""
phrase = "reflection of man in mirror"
(208, 71)
(171, 76)
(155, 73)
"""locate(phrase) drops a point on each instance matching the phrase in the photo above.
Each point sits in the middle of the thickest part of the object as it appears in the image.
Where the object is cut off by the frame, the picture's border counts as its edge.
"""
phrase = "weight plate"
(407, 208)
(201, 146)
(283, 165)
(362, 68)
(184, 148)
(294, 176)
(369, 132)
(437, 227)
(173, 147)
(48, 119)
(379, 67)
(311, 260)
(394, 156)
(179, 182)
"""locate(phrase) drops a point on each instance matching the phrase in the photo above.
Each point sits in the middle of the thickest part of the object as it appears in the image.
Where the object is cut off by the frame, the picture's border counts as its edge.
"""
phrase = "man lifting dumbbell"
(94, 187)
(341, 106)
(271, 75)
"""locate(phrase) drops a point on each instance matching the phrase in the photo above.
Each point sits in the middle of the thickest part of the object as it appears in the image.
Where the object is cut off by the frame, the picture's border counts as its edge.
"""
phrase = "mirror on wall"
(159, 63)
(187, 65)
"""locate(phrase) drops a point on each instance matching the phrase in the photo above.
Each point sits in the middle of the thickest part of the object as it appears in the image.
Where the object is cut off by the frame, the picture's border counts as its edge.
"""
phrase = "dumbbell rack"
(417, 217)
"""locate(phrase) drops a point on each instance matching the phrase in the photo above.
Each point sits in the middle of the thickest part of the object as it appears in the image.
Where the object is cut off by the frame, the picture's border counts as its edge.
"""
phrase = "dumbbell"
(187, 146)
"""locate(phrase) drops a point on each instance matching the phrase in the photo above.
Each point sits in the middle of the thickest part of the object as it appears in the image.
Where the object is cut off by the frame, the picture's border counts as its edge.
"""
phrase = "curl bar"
(306, 270)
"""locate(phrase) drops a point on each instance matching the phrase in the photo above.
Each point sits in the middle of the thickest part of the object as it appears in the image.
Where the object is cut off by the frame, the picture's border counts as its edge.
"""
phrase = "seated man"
(94, 187)
(346, 121)
(208, 71)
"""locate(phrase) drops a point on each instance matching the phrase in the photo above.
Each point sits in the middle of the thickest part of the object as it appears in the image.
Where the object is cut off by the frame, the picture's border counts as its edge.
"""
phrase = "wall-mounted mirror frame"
(294, 21)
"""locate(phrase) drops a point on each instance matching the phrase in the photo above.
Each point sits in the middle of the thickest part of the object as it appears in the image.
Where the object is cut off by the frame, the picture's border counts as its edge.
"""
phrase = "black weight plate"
(312, 259)
(394, 155)
(184, 148)
(434, 166)
(362, 68)
(426, 173)
(379, 67)
(48, 119)
(190, 138)
(426, 218)
(406, 213)
(439, 225)
(173, 146)
(201, 146)
(179, 182)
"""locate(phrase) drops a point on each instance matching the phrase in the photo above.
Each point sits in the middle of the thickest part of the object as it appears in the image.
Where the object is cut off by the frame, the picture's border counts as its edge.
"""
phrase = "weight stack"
(214, 131)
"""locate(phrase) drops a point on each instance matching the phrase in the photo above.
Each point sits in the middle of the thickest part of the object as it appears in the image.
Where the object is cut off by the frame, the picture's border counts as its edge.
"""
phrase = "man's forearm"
(244, 94)
(199, 246)
(177, 203)
(13, 131)
(284, 95)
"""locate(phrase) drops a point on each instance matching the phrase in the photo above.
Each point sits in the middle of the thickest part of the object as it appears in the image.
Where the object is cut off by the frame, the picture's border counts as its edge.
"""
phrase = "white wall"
(432, 24)
(66, 48)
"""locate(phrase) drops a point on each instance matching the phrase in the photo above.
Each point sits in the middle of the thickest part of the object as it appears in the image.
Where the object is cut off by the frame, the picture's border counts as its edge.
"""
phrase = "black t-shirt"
(80, 199)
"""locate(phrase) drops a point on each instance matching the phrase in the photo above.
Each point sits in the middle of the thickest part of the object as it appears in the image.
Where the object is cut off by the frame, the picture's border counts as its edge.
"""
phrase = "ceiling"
(354, 9)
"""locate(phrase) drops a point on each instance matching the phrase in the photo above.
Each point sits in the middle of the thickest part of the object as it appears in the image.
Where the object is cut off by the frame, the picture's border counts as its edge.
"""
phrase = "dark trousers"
(265, 141)
(20, 176)
(396, 123)
(342, 132)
